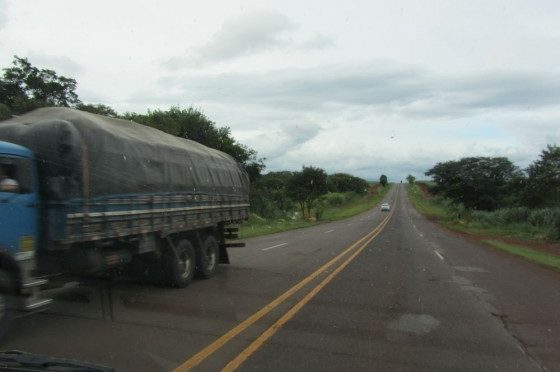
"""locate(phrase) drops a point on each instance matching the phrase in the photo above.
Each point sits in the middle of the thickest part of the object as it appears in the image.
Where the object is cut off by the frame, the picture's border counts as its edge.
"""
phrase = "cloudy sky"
(364, 87)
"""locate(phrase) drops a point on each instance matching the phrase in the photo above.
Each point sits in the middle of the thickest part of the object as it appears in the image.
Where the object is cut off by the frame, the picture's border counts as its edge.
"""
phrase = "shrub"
(484, 217)
(337, 199)
(545, 217)
(512, 215)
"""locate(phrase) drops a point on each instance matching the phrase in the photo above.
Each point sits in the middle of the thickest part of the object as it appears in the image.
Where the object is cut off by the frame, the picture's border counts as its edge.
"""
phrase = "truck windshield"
(15, 175)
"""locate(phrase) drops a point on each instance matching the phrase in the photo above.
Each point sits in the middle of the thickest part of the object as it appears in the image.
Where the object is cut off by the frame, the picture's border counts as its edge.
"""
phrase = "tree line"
(491, 183)
(277, 194)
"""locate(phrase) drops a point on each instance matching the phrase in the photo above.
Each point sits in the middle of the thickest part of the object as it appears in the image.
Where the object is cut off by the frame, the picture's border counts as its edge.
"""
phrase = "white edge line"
(439, 255)
(274, 246)
(330, 231)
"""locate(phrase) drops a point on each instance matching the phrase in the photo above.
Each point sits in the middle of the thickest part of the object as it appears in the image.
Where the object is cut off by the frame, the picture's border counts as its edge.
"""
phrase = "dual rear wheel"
(181, 261)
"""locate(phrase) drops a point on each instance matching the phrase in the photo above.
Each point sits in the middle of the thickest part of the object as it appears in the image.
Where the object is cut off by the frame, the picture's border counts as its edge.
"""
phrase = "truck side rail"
(116, 217)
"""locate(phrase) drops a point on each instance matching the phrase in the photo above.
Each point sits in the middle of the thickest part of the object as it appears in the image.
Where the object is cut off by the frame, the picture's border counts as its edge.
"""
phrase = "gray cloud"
(522, 90)
(288, 137)
(408, 92)
(248, 34)
(318, 41)
(309, 88)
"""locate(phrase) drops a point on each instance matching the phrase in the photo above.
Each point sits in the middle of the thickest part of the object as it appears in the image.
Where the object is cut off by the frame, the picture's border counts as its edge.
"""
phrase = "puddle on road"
(418, 324)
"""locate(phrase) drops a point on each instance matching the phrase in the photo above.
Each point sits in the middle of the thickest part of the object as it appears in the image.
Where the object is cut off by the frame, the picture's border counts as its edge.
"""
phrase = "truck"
(84, 194)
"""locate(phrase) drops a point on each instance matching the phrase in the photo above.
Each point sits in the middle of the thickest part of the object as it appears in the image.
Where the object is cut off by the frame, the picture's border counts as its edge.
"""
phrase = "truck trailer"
(85, 194)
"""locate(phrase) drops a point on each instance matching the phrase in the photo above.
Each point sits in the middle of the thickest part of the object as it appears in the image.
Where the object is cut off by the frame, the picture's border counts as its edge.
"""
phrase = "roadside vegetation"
(331, 206)
(498, 203)
(538, 225)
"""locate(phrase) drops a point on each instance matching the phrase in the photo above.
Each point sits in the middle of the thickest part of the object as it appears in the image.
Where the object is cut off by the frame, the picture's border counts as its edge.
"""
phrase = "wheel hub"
(185, 265)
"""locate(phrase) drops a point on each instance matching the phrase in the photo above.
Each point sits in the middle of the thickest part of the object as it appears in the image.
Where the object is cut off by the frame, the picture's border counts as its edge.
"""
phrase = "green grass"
(260, 226)
(427, 207)
(541, 258)
(519, 231)
(354, 208)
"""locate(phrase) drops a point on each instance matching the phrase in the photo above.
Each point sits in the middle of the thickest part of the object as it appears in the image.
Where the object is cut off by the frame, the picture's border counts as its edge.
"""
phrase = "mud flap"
(224, 257)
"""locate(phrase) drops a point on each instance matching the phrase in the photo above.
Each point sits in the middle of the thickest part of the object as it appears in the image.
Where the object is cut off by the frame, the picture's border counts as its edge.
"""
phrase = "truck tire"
(208, 258)
(7, 302)
(178, 265)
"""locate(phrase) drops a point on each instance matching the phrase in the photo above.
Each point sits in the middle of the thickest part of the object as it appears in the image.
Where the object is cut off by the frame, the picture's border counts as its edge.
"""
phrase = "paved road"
(378, 291)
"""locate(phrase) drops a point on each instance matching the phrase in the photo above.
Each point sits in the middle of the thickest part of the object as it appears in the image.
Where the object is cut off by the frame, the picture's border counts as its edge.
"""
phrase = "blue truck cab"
(18, 202)
(19, 232)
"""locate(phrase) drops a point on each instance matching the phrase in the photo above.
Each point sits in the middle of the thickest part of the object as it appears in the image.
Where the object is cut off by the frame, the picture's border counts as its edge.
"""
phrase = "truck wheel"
(207, 260)
(178, 266)
(7, 302)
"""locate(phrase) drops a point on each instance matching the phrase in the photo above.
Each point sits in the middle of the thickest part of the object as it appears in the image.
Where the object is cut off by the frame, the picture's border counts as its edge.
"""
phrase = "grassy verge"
(354, 208)
(515, 231)
(489, 234)
(541, 258)
(425, 206)
(260, 226)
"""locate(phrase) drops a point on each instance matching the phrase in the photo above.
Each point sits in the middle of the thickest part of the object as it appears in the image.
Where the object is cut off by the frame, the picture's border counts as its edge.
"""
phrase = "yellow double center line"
(221, 341)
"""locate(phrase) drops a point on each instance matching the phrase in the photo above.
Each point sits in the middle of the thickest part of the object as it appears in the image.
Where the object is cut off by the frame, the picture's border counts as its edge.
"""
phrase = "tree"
(410, 178)
(194, 125)
(98, 108)
(307, 186)
(24, 87)
(543, 179)
(383, 180)
(342, 182)
(475, 182)
(269, 194)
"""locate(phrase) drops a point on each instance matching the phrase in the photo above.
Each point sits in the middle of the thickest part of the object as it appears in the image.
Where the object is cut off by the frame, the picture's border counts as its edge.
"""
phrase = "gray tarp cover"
(122, 157)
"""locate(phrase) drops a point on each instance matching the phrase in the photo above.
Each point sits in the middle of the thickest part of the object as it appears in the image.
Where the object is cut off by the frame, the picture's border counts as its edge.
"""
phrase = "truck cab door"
(18, 206)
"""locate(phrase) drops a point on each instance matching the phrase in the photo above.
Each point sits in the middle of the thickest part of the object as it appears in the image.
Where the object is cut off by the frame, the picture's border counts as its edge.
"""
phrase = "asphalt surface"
(409, 296)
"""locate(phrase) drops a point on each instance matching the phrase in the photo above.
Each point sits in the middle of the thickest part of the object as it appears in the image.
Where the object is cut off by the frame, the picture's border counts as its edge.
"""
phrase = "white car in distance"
(385, 207)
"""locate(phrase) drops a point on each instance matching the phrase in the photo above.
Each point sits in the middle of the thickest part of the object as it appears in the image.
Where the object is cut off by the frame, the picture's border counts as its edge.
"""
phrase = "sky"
(362, 87)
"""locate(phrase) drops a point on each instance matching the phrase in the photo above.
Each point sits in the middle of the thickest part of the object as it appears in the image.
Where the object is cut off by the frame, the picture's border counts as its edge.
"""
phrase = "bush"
(545, 217)
(512, 215)
(503, 216)
(484, 217)
(334, 199)
(266, 207)
(553, 233)
(338, 199)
